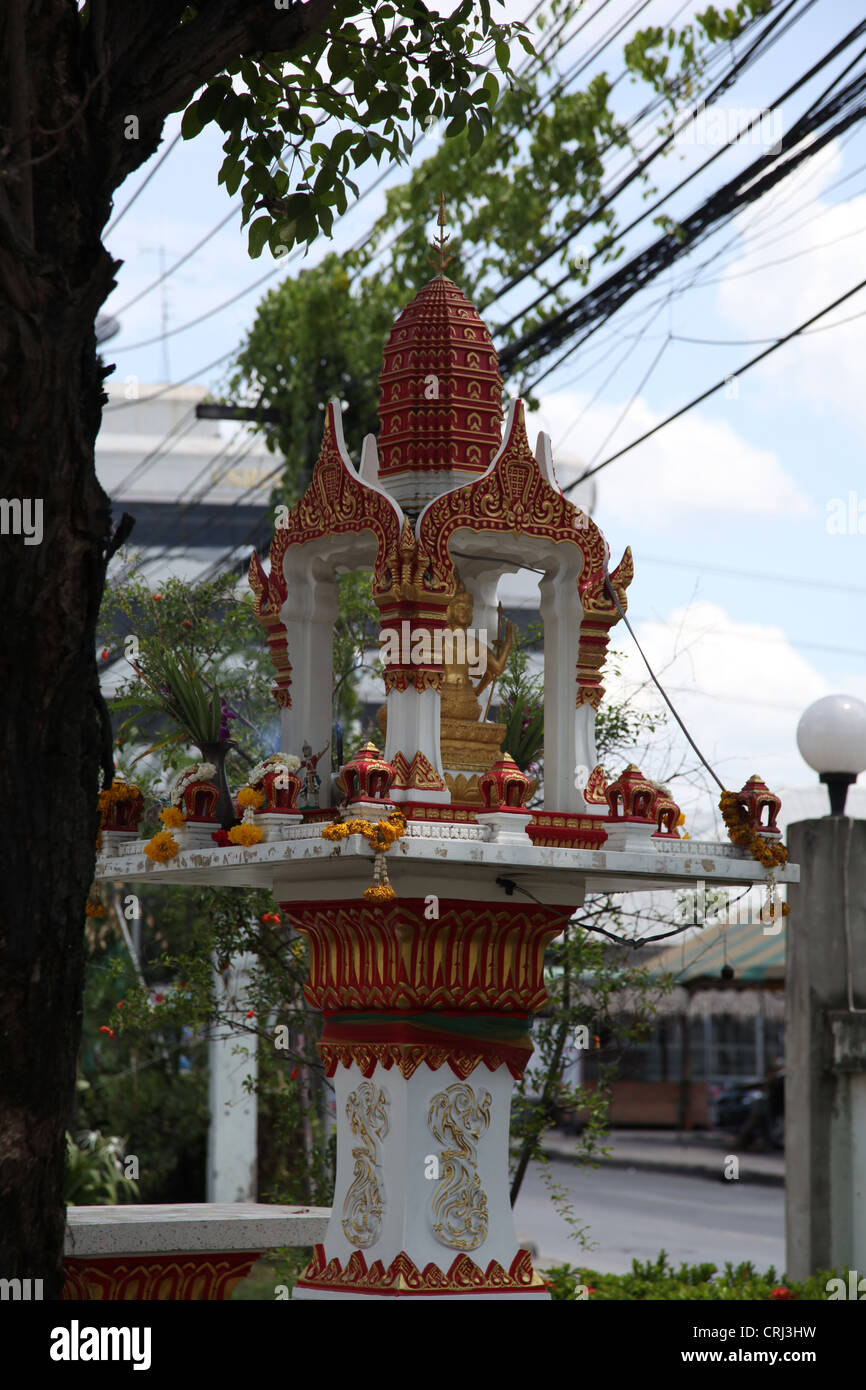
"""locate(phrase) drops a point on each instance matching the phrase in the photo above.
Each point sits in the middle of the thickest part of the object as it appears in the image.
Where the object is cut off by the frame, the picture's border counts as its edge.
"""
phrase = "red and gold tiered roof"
(440, 404)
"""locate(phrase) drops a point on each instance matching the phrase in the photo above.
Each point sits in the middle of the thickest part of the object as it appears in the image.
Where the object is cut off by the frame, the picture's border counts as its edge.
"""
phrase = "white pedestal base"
(421, 1202)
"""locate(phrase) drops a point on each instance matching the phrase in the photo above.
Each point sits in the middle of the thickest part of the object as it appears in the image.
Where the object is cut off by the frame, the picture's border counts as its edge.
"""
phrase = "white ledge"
(190, 1227)
(311, 868)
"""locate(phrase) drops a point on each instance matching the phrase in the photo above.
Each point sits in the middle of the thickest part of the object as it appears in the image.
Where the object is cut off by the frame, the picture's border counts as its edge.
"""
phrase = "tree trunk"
(50, 746)
(54, 275)
(84, 93)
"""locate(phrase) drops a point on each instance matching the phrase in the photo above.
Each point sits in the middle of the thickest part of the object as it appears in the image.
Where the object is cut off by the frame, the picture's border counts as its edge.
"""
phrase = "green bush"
(659, 1280)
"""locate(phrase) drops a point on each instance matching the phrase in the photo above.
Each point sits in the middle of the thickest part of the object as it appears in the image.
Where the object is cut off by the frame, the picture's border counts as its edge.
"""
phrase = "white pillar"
(232, 1153)
(309, 614)
(569, 731)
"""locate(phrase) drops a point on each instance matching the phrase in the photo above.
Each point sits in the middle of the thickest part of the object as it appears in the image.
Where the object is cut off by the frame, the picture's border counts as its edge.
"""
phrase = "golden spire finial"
(443, 257)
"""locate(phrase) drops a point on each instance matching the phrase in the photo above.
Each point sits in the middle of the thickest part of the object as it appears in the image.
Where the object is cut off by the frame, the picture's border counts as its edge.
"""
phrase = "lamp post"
(825, 1007)
(831, 737)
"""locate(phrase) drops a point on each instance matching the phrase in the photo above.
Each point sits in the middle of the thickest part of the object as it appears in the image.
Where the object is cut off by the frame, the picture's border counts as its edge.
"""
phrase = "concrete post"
(825, 1047)
(232, 1153)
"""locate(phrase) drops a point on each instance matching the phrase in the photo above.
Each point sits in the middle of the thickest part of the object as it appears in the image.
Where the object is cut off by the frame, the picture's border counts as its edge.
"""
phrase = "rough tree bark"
(65, 94)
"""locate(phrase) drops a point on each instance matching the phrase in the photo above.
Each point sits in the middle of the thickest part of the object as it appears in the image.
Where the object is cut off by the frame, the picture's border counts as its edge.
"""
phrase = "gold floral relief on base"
(459, 1203)
(367, 1113)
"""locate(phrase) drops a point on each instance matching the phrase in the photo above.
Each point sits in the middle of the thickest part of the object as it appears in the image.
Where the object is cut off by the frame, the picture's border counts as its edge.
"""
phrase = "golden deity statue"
(470, 744)
(468, 655)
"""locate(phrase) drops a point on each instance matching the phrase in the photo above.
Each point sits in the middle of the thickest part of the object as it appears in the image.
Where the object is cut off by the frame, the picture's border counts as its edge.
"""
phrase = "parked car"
(752, 1109)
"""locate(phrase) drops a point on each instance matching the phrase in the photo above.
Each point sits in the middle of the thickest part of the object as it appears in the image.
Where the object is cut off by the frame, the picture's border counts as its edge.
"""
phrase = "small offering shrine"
(425, 886)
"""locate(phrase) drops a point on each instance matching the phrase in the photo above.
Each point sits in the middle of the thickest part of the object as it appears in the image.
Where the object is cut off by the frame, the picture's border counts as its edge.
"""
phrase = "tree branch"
(158, 77)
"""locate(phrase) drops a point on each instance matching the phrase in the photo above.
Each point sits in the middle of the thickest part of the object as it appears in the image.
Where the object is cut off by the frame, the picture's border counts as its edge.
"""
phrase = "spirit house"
(427, 970)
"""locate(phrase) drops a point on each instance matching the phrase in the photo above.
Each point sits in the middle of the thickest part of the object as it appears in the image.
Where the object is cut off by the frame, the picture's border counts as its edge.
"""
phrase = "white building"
(198, 489)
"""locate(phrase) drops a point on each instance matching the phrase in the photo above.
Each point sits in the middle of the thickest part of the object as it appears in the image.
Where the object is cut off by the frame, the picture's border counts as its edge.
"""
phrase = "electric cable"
(740, 371)
(141, 187)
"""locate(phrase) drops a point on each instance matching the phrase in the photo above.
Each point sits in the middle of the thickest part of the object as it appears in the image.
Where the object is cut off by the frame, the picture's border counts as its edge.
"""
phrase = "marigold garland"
(245, 834)
(381, 837)
(248, 796)
(771, 855)
(110, 797)
(94, 909)
(172, 818)
(741, 833)
(379, 893)
(162, 847)
(118, 791)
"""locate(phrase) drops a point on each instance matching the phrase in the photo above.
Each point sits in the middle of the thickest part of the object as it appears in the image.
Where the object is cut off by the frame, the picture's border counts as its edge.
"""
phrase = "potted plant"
(172, 686)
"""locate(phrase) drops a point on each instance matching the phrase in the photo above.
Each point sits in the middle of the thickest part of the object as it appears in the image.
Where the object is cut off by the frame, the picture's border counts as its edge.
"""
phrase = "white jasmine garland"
(273, 763)
(196, 772)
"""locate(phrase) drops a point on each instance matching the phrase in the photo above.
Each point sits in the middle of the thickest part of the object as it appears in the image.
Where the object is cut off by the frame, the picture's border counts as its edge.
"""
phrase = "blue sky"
(741, 486)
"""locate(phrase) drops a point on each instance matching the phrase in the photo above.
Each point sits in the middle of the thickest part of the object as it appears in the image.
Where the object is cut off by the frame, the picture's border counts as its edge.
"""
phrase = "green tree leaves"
(379, 79)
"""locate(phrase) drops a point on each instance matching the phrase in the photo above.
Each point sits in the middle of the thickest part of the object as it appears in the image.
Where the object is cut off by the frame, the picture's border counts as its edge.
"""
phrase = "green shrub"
(659, 1280)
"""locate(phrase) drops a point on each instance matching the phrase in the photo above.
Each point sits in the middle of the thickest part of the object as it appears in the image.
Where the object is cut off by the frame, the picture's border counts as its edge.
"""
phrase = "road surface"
(635, 1214)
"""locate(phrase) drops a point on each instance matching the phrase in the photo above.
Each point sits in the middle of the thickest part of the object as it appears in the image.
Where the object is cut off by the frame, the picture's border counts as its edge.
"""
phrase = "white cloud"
(695, 465)
(739, 687)
(827, 241)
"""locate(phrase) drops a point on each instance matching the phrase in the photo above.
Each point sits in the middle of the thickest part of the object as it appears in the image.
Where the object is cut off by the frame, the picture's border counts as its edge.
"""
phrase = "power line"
(600, 303)
(172, 385)
(763, 575)
(745, 188)
(755, 342)
(717, 387)
(176, 266)
(142, 186)
(616, 334)
(737, 68)
(187, 420)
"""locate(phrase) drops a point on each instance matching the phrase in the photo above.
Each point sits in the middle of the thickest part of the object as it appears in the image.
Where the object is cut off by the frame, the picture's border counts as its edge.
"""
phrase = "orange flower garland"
(381, 837)
(162, 847)
(741, 833)
(771, 855)
(245, 834)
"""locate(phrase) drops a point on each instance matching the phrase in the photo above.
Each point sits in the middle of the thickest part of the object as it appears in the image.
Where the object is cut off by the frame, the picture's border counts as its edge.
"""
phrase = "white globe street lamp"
(831, 737)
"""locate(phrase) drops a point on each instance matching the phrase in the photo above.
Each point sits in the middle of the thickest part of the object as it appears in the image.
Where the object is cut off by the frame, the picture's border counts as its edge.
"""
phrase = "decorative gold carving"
(419, 775)
(402, 678)
(468, 745)
(459, 1203)
(514, 496)
(387, 956)
(417, 810)
(270, 595)
(152, 1278)
(367, 1113)
(408, 1057)
(335, 502)
(600, 614)
(596, 788)
(403, 1277)
(463, 789)
(441, 255)
(406, 576)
